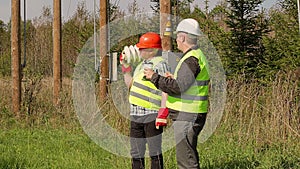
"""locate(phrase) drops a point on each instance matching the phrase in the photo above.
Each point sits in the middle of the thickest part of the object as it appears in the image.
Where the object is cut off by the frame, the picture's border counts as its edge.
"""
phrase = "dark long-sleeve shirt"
(186, 76)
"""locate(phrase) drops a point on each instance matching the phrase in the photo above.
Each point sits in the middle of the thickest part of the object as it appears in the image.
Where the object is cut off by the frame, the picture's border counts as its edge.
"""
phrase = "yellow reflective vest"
(142, 92)
(195, 98)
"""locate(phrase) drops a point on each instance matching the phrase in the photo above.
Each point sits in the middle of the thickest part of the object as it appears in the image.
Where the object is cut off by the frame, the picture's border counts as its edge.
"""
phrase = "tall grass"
(260, 129)
(267, 113)
(37, 108)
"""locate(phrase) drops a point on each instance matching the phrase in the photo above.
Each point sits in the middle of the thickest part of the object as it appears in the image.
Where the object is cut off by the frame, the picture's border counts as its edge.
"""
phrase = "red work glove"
(125, 66)
(161, 119)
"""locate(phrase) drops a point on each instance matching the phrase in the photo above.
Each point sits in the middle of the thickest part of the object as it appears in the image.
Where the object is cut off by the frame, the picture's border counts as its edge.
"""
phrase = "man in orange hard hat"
(148, 110)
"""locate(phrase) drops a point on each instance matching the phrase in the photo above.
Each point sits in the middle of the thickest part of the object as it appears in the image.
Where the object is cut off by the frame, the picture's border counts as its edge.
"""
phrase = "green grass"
(59, 148)
(53, 148)
(223, 152)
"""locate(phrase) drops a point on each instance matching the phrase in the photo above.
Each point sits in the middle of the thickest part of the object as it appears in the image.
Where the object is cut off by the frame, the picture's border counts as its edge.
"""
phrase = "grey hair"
(191, 39)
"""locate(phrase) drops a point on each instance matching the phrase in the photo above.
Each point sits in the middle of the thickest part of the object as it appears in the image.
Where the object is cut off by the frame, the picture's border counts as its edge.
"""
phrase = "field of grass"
(53, 148)
(60, 148)
(259, 129)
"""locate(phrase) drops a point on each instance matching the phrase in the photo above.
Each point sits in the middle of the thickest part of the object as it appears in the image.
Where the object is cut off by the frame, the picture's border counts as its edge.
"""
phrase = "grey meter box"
(172, 58)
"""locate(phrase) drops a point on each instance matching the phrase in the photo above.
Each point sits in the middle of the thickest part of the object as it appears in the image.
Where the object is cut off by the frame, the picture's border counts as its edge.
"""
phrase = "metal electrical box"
(172, 58)
(113, 67)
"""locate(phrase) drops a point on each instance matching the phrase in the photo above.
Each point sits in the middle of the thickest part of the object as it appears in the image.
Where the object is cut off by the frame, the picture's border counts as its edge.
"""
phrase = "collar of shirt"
(192, 48)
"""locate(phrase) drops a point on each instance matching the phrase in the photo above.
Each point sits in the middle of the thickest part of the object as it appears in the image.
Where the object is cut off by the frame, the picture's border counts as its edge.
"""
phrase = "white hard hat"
(190, 26)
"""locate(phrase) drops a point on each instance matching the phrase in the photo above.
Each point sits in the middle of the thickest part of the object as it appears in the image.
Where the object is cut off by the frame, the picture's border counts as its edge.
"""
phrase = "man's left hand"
(148, 73)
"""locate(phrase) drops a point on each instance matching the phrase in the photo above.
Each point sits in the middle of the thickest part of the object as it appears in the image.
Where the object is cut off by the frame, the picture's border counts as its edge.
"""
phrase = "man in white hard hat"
(188, 93)
(148, 112)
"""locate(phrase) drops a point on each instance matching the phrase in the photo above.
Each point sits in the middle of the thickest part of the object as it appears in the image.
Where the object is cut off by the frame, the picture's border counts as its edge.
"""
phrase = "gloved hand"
(161, 119)
(125, 65)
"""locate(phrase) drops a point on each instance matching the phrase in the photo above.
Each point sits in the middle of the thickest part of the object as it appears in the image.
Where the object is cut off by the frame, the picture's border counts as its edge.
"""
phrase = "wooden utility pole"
(16, 56)
(57, 67)
(165, 24)
(103, 51)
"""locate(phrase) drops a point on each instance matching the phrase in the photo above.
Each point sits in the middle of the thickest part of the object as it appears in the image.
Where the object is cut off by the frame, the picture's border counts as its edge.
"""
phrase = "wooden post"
(165, 24)
(57, 68)
(103, 51)
(16, 57)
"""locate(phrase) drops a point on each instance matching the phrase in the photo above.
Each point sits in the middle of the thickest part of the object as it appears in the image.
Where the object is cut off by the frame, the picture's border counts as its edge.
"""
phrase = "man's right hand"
(125, 65)
(123, 59)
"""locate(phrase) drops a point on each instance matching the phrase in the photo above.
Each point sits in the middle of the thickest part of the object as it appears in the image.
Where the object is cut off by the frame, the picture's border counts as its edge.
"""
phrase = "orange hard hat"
(149, 40)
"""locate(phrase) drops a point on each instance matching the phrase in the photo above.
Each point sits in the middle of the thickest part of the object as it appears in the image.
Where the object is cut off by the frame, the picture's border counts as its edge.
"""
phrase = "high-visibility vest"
(142, 92)
(195, 98)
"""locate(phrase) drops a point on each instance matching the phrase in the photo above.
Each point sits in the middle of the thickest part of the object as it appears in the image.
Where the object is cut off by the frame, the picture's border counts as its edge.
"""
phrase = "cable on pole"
(298, 3)
(95, 38)
(108, 28)
(108, 42)
(24, 59)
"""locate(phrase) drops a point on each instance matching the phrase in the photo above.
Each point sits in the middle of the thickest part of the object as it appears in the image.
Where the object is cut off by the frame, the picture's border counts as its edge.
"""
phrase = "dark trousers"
(142, 133)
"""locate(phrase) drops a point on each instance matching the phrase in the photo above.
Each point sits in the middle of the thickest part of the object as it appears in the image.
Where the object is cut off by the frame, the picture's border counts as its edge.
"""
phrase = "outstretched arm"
(128, 79)
(185, 77)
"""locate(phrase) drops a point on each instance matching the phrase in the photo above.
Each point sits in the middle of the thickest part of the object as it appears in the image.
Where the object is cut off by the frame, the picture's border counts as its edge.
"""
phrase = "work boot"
(138, 163)
(157, 162)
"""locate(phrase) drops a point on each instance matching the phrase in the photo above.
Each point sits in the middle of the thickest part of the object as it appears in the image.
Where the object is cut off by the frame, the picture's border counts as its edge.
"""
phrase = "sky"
(34, 7)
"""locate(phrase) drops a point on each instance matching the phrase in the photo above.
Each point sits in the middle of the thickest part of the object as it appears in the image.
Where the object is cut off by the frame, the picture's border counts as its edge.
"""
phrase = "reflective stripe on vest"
(142, 92)
(195, 98)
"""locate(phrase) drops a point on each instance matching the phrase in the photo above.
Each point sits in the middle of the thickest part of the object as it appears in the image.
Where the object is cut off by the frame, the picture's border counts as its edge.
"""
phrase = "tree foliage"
(283, 42)
(247, 28)
(39, 44)
(156, 5)
(245, 41)
(4, 49)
